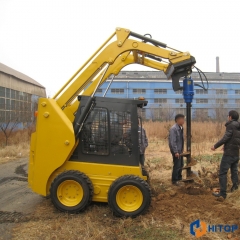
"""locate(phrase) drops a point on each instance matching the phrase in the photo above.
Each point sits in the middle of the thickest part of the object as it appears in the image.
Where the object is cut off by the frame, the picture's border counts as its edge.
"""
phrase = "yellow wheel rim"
(129, 198)
(70, 193)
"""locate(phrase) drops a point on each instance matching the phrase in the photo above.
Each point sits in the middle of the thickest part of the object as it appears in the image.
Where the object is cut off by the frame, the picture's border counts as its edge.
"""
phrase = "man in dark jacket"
(230, 158)
(142, 141)
(176, 144)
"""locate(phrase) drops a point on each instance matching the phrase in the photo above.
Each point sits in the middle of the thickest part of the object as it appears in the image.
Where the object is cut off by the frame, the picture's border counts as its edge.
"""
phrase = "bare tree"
(162, 113)
(152, 113)
(219, 112)
(219, 108)
(155, 114)
(200, 114)
(15, 113)
(7, 128)
(167, 112)
(8, 122)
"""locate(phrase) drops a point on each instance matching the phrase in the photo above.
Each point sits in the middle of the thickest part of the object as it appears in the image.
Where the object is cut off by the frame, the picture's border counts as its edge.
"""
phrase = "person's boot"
(218, 195)
(234, 187)
(175, 184)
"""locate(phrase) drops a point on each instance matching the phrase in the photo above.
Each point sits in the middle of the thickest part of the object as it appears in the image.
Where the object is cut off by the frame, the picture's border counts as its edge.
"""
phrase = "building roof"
(21, 76)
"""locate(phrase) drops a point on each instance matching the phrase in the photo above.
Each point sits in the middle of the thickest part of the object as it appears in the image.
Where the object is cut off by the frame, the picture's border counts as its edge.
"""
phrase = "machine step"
(184, 154)
(186, 167)
(187, 180)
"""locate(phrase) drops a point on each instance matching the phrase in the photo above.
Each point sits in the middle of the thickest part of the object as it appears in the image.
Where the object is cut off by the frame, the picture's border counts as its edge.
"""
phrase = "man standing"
(176, 144)
(230, 158)
(142, 141)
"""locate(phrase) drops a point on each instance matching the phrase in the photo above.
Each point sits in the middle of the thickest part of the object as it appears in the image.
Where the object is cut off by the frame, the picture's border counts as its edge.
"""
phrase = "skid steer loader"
(81, 150)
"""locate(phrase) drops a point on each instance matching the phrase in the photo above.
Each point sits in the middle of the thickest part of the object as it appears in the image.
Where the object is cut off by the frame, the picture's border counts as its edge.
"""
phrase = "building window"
(17, 95)
(117, 90)
(21, 96)
(160, 100)
(201, 100)
(2, 114)
(8, 116)
(139, 90)
(13, 105)
(8, 105)
(221, 101)
(179, 100)
(17, 106)
(13, 116)
(25, 97)
(2, 104)
(236, 101)
(29, 97)
(2, 92)
(237, 91)
(201, 91)
(179, 92)
(17, 103)
(21, 105)
(29, 105)
(99, 90)
(221, 91)
(160, 91)
(7, 93)
(13, 94)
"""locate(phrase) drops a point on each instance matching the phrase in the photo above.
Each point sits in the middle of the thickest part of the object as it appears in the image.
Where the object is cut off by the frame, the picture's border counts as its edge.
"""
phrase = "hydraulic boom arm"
(111, 57)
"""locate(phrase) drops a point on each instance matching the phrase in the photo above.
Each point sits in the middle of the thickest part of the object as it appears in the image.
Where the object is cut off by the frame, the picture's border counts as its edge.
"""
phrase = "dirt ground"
(16, 200)
(171, 212)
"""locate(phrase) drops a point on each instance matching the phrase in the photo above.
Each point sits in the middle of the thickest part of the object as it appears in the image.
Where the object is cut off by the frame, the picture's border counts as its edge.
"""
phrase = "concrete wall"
(14, 83)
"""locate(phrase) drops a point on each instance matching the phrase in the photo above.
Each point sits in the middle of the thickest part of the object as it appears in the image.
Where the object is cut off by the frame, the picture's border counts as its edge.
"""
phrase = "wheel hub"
(129, 198)
(70, 193)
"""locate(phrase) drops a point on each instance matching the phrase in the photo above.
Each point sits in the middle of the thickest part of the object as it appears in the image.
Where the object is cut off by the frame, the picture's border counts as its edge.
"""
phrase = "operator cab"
(110, 132)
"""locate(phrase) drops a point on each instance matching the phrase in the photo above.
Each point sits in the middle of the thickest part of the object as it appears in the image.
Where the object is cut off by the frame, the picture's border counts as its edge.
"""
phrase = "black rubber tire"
(146, 173)
(83, 180)
(129, 180)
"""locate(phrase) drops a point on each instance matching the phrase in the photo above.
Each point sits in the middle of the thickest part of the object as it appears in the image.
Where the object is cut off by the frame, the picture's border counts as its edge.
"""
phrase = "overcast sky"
(49, 40)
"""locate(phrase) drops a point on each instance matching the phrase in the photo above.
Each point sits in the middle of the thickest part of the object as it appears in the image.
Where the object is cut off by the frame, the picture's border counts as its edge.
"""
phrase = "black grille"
(120, 126)
(95, 135)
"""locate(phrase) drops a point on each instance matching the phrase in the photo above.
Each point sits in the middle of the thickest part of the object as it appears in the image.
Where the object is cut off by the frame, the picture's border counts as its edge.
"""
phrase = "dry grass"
(204, 135)
(14, 152)
(157, 133)
(200, 130)
(97, 223)
(18, 146)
